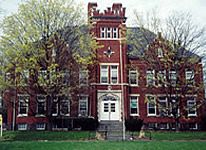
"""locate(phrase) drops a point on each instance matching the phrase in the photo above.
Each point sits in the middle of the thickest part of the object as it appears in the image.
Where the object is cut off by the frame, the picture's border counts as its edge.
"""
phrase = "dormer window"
(159, 52)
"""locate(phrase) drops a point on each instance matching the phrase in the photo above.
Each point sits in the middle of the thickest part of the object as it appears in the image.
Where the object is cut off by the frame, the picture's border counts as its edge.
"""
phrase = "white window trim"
(102, 31)
(165, 101)
(171, 73)
(155, 107)
(111, 74)
(188, 78)
(137, 105)
(134, 71)
(56, 101)
(22, 127)
(83, 72)
(163, 72)
(153, 72)
(69, 102)
(27, 105)
(115, 32)
(195, 128)
(85, 100)
(109, 31)
(105, 76)
(41, 128)
(37, 113)
(195, 109)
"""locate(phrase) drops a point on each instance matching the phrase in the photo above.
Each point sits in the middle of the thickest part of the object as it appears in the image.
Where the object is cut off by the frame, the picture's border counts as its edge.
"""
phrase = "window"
(22, 127)
(102, 32)
(193, 126)
(162, 106)
(83, 105)
(41, 104)
(112, 107)
(114, 74)
(83, 77)
(159, 52)
(66, 77)
(106, 107)
(40, 126)
(151, 106)
(161, 76)
(23, 105)
(109, 32)
(189, 74)
(104, 74)
(152, 125)
(173, 78)
(115, 33)
(174, 106)
(150, 78)
(163, 126)
(65, 105)
(191, 107)
(42, 78)
(133, 77)
(55, 106)
(134, 106)
(24, 77)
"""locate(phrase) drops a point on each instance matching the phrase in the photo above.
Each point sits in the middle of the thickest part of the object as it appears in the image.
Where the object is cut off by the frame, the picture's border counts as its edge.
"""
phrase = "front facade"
(121, 87)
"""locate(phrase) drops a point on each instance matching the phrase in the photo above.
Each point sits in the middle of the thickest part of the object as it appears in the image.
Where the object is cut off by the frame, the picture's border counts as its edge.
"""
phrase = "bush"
(86, 124)
(133, 124)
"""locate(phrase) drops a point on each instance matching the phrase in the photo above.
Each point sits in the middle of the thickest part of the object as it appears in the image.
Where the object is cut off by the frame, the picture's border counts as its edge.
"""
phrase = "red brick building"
(122, 86)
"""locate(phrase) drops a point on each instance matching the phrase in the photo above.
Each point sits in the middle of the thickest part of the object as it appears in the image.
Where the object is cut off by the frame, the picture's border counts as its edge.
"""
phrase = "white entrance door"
(109, 108)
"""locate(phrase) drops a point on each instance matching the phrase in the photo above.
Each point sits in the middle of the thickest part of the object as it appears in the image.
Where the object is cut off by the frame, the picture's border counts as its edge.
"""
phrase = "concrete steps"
(111, 130)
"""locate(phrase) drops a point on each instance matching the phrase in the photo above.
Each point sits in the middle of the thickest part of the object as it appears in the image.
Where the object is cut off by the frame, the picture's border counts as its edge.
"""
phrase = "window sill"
(151, 115)
(192, 115)
(67, 115)
(134, 115)
(136, 85)
(40, 115)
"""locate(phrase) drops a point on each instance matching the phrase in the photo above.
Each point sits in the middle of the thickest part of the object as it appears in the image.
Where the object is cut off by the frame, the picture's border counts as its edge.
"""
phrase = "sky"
(164, 7)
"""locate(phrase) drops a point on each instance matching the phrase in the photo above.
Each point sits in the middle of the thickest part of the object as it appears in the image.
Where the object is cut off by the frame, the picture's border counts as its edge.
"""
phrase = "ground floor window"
(40, 126)
(23, 105)
(163, 126)
(134, 106)
(83, 106)
(22, 126)
(151, 106)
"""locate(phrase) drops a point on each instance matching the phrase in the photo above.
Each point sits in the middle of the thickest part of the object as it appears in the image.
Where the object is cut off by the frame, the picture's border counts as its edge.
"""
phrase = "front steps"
(111, 130)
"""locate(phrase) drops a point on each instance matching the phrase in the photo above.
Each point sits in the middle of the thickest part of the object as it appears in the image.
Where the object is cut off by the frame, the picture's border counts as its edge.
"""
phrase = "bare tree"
(169, 48)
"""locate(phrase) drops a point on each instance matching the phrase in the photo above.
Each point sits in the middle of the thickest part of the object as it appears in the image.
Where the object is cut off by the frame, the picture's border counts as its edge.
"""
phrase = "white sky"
(196, 7)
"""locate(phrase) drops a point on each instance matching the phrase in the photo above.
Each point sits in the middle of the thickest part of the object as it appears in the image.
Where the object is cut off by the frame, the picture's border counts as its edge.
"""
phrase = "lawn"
(103, 145)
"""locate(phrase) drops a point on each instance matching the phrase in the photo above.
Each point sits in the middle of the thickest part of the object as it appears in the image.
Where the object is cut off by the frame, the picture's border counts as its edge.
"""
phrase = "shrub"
(86, 124)
(133, 124)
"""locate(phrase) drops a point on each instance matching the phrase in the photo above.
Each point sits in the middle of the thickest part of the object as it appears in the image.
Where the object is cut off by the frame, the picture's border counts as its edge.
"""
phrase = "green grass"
(177, 135)
(153, 145)
(46, 135)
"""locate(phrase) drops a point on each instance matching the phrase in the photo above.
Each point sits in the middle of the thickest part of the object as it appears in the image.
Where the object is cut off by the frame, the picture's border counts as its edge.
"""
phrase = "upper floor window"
(161, 76)
(41, 104)
(24, 77)
(189, 75)
(114, 74)
(133, 77)
(159, 52)
(115, 33)
(150, 77)
(108, 32)
(66, 77)
(23, 105)
(83, 77)
(102, 32)
(104, 74)
(151, 106)
(134, 106)
(191, 106)
(83, 106)
(173, 78)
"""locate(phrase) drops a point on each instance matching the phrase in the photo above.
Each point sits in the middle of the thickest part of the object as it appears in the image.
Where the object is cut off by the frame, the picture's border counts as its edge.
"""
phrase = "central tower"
(109, 30)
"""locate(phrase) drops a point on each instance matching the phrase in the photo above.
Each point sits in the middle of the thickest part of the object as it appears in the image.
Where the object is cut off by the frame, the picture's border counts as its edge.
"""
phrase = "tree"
(43, 48)
(168, 50)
